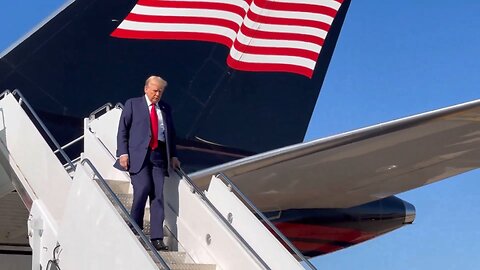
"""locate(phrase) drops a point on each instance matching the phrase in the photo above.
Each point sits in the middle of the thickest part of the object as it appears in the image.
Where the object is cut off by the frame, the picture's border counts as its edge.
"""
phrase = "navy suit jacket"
(134, 132)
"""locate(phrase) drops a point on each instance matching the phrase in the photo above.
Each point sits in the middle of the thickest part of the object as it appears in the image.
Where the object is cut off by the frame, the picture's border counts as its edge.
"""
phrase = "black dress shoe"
(159, 245)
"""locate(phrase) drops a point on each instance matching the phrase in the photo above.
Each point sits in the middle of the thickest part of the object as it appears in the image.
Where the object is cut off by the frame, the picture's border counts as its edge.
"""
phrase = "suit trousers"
(148, 183)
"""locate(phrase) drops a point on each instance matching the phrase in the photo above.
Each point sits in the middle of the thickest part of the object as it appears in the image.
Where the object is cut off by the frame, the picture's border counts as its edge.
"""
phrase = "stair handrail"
(196, 189)
(42, 125)
(4, 93)
(266, 221)
(74, 141)
(124, 212)
(94, 114)
(103, 145)
(107, 106)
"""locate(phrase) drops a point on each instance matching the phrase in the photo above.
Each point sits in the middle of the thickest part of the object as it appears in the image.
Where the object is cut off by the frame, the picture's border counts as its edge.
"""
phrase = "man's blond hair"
(158, 79)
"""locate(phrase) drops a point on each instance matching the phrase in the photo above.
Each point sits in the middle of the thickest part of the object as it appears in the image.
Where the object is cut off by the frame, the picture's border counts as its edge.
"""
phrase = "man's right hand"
(124, 161)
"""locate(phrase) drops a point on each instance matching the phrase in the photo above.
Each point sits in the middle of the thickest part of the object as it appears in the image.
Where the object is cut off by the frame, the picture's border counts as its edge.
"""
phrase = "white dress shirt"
(161, 127)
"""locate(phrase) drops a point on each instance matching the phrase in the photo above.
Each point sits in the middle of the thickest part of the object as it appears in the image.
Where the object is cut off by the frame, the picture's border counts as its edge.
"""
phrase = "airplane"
(204, 140)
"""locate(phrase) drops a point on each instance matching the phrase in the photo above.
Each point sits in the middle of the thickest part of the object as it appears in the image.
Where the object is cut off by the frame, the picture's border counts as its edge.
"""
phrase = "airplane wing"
(360, 166)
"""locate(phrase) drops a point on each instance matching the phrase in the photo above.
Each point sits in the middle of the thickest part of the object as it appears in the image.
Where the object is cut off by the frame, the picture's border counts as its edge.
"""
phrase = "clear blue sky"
(393, 59)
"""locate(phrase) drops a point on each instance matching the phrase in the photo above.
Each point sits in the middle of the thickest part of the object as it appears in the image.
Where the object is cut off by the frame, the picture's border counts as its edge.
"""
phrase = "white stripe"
(170, 27)
(187, 12)
(291, 14)
(285, 28)
(271, 59)
(278, 43)
(238, 3)
(324, 3)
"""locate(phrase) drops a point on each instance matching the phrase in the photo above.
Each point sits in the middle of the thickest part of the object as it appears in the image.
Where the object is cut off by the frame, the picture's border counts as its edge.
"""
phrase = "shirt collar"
(148, 101)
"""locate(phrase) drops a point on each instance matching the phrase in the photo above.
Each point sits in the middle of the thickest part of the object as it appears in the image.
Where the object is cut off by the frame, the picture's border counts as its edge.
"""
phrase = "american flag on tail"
(263, 35)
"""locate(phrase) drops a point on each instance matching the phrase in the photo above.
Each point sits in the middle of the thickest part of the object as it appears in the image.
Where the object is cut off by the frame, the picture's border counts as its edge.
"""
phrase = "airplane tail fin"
(222, 96)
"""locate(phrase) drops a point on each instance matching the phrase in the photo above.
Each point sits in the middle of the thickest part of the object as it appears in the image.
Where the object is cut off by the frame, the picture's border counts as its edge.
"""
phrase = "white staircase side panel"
(98, 154)
(28, 154)
(105, 128)
(249, 226)
(93, 235)
(42, 235)
(192, 223)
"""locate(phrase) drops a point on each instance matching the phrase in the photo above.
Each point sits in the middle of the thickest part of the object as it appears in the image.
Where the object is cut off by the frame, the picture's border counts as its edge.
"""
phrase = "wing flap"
(360, 166)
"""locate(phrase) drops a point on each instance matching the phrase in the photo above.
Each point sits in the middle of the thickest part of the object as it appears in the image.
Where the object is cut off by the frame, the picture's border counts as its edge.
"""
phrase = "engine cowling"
(320, 231)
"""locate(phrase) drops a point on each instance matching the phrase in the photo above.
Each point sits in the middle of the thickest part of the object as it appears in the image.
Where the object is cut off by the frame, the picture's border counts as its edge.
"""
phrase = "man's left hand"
(175, 163)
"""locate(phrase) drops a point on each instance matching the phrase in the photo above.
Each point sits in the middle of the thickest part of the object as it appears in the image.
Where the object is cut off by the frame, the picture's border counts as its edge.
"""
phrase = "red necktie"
(154, 125)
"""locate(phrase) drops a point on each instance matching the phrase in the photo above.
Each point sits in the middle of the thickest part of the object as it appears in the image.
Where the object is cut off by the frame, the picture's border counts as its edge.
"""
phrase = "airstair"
(78, 209)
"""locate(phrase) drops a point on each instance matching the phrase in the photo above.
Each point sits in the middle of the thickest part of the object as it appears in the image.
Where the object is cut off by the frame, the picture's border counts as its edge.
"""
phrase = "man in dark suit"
(146, 148)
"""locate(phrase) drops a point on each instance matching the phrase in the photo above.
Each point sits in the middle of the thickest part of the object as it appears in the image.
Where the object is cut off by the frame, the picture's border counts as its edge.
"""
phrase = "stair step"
(180, 261)
(119, 187)
(175, 260)
(190, 266)
(171, 242)
(172, 257)
(126, 199)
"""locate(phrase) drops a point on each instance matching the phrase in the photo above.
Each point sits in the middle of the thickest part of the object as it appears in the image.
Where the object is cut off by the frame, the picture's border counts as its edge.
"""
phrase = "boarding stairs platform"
(78, 209)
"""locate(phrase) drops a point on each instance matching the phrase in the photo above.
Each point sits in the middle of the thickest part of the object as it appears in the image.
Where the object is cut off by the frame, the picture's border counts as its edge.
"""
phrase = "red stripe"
(246, 1)
(283, 36)
(233, 63)
(320, 248)
(197, 5)
(183, 20)
(266, 4)
(275, 51)
(134, 34)
(326, 236)
(323, 233)
(287, 21)
(217, 38)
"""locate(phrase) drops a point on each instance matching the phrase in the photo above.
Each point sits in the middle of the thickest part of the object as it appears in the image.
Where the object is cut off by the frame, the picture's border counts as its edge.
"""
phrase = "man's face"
(154, 90)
